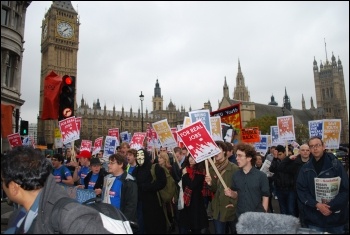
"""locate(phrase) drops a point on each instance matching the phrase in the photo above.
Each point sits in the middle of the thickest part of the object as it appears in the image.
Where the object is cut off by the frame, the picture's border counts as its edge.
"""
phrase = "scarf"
(188, 192)
(222, 164)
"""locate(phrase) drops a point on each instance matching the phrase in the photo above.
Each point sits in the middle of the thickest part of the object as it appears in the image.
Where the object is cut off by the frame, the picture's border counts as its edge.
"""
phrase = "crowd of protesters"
(232, 185)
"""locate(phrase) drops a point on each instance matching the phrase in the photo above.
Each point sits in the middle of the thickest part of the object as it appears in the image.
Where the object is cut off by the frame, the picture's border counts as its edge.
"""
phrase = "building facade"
(96, 121)
(59, 53)
(330, 93)
(330, 98)
(13, 16)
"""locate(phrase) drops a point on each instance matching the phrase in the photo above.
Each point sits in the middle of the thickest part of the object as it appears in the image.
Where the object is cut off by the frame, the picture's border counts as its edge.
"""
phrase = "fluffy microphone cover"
(267, 223)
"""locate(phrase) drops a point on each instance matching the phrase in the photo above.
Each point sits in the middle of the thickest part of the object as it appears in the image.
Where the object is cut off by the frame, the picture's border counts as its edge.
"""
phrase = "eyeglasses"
(315, 146)
(112, 163)
(240, 156)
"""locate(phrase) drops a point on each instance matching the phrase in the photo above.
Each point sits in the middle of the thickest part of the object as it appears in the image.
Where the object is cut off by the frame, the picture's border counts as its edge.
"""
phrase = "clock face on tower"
(64, 29)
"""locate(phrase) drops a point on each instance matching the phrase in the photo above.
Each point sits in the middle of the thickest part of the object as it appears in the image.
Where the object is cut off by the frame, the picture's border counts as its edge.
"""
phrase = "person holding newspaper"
(323, 211)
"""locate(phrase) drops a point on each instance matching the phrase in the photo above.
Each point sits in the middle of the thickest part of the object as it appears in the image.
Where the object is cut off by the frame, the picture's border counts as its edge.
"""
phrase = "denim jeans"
(334, 230)
(220, 227)
(287, 200)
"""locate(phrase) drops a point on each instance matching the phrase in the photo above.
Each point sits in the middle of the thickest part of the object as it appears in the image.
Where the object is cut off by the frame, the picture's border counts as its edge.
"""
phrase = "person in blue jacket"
(323, 215)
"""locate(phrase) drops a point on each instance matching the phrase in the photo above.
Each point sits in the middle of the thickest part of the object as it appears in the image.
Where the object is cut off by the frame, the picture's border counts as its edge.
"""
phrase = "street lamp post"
(142, 98)
(283, 110)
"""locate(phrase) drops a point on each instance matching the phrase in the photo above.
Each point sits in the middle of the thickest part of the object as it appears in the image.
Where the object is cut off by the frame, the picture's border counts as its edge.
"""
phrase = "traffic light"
(24, 128)
(67, 97)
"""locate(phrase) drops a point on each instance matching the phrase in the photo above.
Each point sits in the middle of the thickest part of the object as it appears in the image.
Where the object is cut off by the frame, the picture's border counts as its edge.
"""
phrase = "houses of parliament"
(60, 52)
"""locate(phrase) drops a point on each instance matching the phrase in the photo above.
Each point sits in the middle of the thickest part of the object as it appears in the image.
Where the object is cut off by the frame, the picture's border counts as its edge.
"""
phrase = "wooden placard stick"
(206, 167)
(176, 160)
(286, 148)
(217, 173)
(73, 157)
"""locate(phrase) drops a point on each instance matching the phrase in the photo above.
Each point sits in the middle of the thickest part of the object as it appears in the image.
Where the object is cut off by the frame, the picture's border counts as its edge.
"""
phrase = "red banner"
(6, 120)
(230, 121)
(52, 88)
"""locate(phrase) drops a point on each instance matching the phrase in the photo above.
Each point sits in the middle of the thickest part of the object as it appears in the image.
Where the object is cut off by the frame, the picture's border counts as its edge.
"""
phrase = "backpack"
(169, 191)
(113, 219)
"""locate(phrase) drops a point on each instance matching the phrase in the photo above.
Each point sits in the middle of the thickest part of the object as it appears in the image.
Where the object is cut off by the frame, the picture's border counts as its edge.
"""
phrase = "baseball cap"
(84, 153)
(95, 161)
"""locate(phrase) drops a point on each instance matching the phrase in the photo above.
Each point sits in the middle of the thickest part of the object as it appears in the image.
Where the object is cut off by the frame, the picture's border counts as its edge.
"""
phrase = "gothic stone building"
(330, 98)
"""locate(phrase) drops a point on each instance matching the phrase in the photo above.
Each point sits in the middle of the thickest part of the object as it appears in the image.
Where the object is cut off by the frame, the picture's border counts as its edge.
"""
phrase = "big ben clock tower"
(59, 53)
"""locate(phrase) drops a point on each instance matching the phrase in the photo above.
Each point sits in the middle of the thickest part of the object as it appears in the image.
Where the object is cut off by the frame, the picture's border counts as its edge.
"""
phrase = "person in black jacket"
(151, 217)
(94, 179)
(284, 183)
(292, 165)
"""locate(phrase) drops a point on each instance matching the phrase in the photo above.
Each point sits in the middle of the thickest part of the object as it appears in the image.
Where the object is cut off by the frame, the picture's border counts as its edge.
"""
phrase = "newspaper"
(265, 168)
(326, 189)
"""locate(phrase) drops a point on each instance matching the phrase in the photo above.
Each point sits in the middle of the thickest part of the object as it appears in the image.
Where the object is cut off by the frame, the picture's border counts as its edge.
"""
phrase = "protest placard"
(78, 122)
(110, 146)
(230, 121)
(285, 126)
(14, 140)
(316, 128)
(216, 132)
(69, 130)
(187, 122)
(114, 132)
(164, 134)
(198, 141)
(274, 136)
(97, 145)
(262, 145)
(250, 135)
(202, 115)
(85, 145)
(331, 133)
(137, 140)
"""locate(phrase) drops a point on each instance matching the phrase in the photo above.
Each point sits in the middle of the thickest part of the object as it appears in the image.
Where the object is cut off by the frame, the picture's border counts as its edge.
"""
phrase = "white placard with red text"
(69, 130)
(198, 141)
(14, 140)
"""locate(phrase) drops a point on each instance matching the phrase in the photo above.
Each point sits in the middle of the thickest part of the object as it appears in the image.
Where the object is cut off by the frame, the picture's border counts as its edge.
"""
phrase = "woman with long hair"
(193, 218)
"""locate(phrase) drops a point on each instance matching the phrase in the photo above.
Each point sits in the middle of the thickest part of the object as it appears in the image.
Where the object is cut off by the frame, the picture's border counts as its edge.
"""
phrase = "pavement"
(6, 211)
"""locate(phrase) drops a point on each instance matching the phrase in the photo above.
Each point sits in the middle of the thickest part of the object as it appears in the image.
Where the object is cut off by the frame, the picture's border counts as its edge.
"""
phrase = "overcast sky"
(124, 47)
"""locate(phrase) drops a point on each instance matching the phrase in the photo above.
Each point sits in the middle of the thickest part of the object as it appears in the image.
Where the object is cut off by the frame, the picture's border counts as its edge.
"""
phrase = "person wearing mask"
(151, 217)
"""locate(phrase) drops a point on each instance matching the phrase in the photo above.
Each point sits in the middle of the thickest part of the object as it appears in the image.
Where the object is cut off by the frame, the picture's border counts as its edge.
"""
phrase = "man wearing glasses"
(323, 215)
